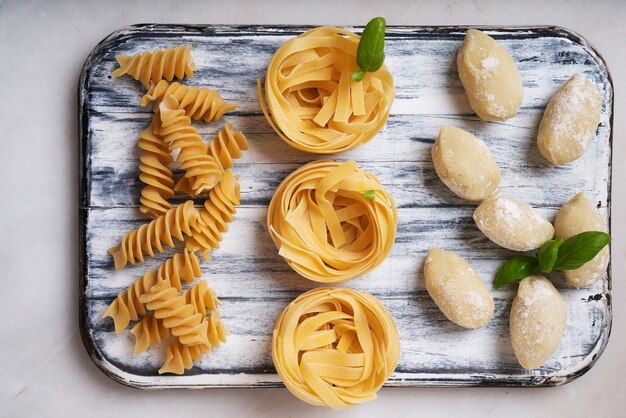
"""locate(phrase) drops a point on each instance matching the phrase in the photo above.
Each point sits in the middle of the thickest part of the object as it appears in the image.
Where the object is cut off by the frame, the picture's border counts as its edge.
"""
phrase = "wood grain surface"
(255, 284)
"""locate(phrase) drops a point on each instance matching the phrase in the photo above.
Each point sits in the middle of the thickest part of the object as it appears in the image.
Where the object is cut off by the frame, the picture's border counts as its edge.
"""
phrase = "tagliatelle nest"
(332, 221)
(312, 101)
(335, 347)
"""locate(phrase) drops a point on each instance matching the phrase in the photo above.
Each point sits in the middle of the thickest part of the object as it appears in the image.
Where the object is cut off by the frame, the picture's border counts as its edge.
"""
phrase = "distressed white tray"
(255, 284)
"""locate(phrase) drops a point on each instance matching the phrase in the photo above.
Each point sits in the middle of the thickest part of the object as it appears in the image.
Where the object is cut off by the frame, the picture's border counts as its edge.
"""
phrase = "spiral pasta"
(175, 223)
(224, 149)
(177, 315)
(154, 172)
(335, 347)
(218, 210)
(198, 103)
(148, 331)
(201, 169)
(312, 102)
(157, 65)
(126, 306)
(179, 357)
(324, 225)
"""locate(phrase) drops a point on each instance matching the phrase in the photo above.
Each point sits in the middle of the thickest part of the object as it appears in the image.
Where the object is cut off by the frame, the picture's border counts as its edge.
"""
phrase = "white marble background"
(44, 369)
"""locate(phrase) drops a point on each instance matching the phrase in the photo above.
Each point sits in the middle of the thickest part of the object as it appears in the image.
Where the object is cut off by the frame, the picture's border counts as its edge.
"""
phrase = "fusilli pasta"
(177, 315)
(179, 357)
(174, 223)
(154, 172)
(149, 330)
(157, 65)
(201, 169)
(224, 149)
(218, 210)
(198, 103)
(126, 306)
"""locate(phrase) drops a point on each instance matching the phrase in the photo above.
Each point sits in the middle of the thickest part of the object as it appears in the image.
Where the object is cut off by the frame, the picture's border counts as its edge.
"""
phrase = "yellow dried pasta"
(325, 227)
(335, 347)
(148, 331)
(175, 223)
(201, 169)
(312, 102)
(126, 306)
(179, 356)
(156, 65)
(154, 172)
(224, 149)
(178, 316)
(198, 103)
(218, 210)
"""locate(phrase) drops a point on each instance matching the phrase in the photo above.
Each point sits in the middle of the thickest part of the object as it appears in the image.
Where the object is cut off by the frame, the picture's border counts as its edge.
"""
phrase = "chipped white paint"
(254, 282)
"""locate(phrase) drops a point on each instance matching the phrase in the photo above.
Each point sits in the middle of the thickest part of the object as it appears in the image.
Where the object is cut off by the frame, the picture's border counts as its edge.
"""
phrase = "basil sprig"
(370, 53)
(556, 254)
(369, 195)
(515, 270)
(579, 249)
(547, 254)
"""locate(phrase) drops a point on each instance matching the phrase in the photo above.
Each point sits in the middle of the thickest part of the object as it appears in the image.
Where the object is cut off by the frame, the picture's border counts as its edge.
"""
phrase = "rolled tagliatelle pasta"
(335, 347)
(332, 221)
(311, 100)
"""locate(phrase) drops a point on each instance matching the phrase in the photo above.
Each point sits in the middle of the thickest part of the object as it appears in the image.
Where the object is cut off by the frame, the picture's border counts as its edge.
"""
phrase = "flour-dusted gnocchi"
(490, 77)
(576, 216)
(537, 321)
(457, 290)
(465, 164)
(512, 223)
(570, 120)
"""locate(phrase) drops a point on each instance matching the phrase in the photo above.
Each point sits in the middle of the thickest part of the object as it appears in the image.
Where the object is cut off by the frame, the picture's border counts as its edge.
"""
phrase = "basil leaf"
(579, 249)
(515, 270)
(358, 75)
(548, 254)
(369, 194)
(370, 53)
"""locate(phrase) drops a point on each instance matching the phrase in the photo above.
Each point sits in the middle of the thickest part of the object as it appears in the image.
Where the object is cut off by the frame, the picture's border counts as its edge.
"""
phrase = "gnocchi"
(537, 321)
(457, 290)
(569, 121)
(512, 223)
(465, 164)
(576, 216)
(489, 76)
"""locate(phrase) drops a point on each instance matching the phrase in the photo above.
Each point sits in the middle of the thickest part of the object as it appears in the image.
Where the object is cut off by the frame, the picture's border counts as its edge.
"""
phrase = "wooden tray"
(255, 284)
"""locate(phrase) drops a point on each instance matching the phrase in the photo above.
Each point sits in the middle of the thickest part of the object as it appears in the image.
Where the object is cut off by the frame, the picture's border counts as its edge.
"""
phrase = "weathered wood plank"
(255, 283)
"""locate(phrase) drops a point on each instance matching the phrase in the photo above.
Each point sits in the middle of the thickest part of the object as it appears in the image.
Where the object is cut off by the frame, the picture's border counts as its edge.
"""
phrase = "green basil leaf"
(370, 53)
(515, 270)
(548, 254)
(579, 249)
(358, 75)
(369, 194)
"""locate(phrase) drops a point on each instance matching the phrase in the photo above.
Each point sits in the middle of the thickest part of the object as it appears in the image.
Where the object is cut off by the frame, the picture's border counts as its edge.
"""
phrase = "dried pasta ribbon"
(219, 209)
(159, 64)
(154, 172)
(148, 331)
(126, 307)
(325, 227)
(198, 103)
(335, 347)
(310, 99)
(175, 223)
(201, 169)
(224, 149)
